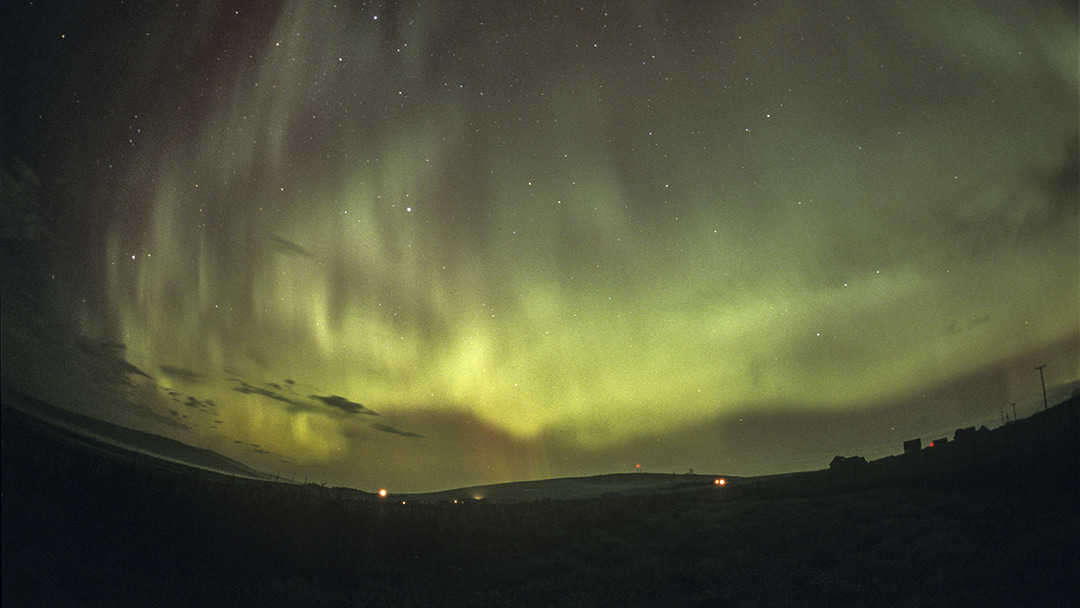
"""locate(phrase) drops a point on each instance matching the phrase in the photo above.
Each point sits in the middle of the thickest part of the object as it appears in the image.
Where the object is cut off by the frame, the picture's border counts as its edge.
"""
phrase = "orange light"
(720, 482)
(382, 492)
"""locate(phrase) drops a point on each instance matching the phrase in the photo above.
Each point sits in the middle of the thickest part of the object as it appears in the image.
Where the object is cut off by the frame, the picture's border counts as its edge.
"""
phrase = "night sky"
(426, 245)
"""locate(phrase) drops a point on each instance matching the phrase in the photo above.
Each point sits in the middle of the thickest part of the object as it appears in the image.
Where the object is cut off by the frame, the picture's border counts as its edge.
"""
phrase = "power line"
(1043, 381)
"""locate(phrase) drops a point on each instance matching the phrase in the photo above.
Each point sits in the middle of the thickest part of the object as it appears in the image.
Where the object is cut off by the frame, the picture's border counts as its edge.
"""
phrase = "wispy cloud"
(343, 404)
(394, 431)
(286, 247)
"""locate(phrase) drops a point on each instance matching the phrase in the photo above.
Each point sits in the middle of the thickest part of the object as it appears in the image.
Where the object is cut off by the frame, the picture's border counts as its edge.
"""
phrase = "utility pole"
(1014, 412)
(1043, 381)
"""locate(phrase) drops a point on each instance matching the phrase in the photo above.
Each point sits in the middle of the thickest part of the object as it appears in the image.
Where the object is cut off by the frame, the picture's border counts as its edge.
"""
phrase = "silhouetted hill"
(1035, 454)
(994, 522)
(1032, 456)
(111, 438)
(570, 488)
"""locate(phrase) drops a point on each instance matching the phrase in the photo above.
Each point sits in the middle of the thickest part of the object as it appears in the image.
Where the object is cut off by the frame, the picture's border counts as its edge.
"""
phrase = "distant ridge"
(569, 488)
(112, 438)
(1035, 454)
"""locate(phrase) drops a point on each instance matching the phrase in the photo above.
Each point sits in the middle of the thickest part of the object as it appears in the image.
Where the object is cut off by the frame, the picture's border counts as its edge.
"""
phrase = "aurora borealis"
(439, 243)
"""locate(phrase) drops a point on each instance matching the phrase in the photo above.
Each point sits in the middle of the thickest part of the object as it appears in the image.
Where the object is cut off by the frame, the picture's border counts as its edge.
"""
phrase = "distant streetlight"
(1043, 381)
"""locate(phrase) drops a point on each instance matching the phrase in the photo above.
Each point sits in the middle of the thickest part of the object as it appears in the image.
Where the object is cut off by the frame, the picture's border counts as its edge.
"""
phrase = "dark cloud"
(181, 374)
(283, 246)
(394, 431)
(107, 359)
(248, 389)
(343, 404)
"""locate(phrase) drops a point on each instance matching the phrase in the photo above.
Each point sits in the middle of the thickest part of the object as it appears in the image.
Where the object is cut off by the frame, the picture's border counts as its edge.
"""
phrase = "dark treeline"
(993, 520)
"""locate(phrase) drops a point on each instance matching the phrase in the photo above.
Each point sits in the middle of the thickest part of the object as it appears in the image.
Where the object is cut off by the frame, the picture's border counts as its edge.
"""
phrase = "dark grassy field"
(993, 523)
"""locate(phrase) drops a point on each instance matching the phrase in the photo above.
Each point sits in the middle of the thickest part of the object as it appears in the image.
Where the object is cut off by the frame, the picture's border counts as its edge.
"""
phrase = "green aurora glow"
(535, 237)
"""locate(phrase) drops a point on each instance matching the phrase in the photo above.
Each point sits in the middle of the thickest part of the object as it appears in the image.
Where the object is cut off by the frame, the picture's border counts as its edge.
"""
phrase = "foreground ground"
(994, 526)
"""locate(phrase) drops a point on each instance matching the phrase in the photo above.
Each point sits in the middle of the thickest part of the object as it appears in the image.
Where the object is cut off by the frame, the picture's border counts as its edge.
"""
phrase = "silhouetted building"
(912, 446)
(964, 434)
(841, 463)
